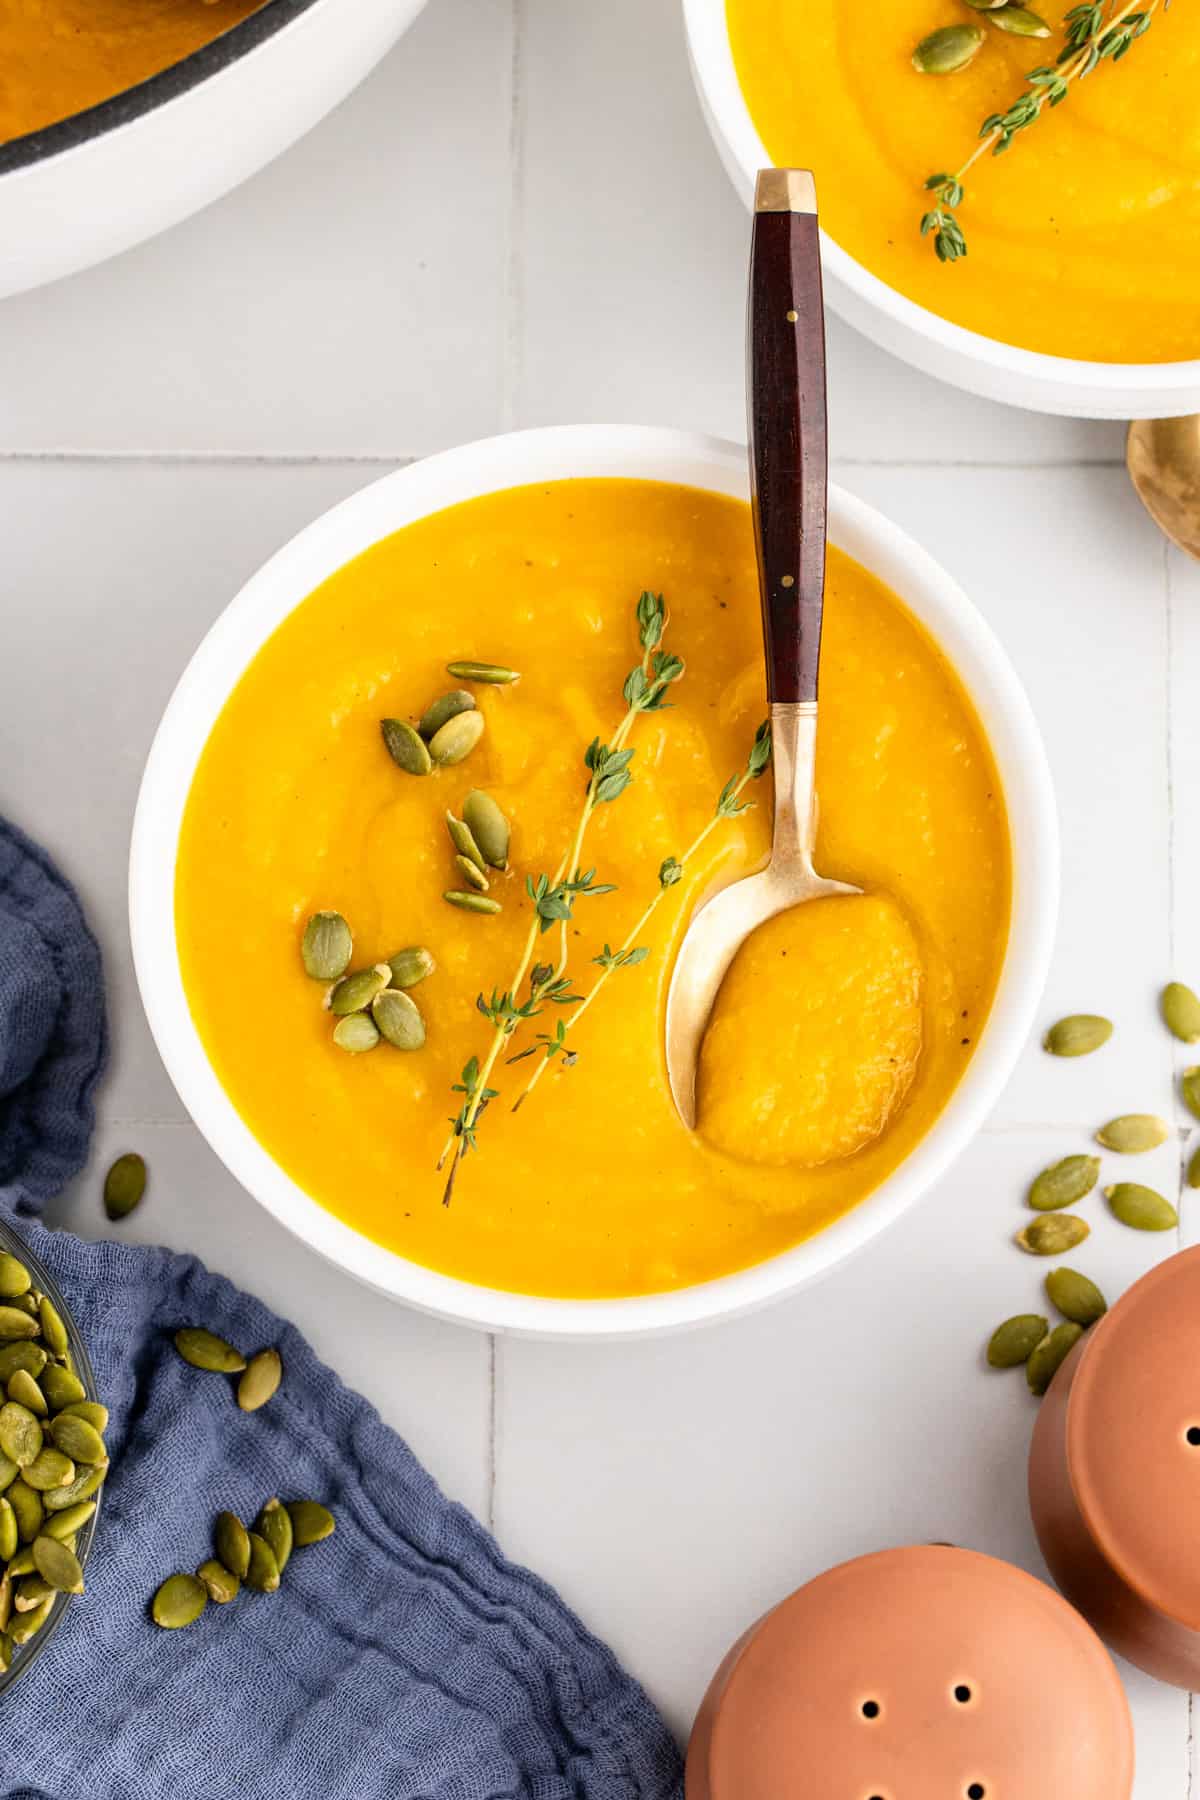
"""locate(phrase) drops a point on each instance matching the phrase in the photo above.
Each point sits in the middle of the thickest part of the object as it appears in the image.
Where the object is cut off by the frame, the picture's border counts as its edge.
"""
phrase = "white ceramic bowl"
(79, 191)
(425, 487)
(1054, 384)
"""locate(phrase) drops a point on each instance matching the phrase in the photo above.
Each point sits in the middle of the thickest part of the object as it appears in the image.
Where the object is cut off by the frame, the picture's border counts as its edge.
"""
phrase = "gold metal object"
(1163, 458)
(785, 190)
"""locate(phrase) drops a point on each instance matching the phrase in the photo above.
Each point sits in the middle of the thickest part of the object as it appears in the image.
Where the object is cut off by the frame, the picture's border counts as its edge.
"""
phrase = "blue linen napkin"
(404, 1657)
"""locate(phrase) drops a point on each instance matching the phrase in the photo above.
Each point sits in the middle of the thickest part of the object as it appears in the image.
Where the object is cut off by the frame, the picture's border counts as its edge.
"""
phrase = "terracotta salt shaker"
(1114, 1473)
(930, 1673)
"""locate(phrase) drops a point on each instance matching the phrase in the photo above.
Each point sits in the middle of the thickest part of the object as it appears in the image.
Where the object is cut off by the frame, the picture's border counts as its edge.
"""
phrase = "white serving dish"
(441, 481)
(102, 180)
(1053, 384)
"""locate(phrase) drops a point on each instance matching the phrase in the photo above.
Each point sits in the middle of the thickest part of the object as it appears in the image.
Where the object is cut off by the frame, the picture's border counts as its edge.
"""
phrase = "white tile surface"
(520, 219)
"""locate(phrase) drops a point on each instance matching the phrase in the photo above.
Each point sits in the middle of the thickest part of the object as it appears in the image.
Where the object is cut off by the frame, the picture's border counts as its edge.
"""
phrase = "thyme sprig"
(630, 953)
(1089, 39)
(609, 773)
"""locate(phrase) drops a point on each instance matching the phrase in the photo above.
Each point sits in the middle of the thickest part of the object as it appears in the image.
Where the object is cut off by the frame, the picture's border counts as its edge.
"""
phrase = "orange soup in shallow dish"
(591, 1201)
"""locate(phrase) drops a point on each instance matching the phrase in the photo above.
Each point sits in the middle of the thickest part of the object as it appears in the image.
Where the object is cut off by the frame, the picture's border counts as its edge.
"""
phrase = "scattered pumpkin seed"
(311, 1522)
(14, 1323)
(984, 5)
(410, 966)
(470, 902)
(446, 707)
(491, 674)
(20, 1433)
(354, 993)
(398, 1018)
(205, 1350)
(274, 1527)
(457, 738)
(1189, 1087)
(1020, 21)
(356, 1033)
(326, 947)
(464, 842)
(50, 1468)
(124, 1185)
(221, 1586)
(15, 1278)
(1013, 1342)
(488, 826)
(25, 1390)
(405, 746)
(179, 1601)
(1051, 1233)
(1078, 1035)
(77, 1439)
(232, 1542)
(260, 1379)
(1076, 1297)
(262, 1574)
(54, 1332)
(1181, 1012)
(473, 877)
(948, 49)
(1064, 1183)
(1133, 1133)
(1193, 1175)
(57, 1565)
(1141, 1208)
(1050, 1354)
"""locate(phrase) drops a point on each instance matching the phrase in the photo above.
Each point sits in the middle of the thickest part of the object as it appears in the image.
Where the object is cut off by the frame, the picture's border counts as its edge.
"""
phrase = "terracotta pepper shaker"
(921, 1674)
(1114, 1473)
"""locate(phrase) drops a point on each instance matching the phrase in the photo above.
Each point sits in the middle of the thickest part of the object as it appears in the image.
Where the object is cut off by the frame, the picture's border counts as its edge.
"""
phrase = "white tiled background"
(519, 219)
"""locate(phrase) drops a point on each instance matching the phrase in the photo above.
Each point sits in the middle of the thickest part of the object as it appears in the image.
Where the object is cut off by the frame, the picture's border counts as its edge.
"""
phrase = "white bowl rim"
(713, 65)
(427, 486)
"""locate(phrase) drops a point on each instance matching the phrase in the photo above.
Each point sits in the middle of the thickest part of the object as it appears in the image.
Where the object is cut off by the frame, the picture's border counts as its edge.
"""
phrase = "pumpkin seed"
(124, 1185)
(1077, 1035)
(15, 1278)
(457, 738)
(1020, 21)
(274, 1527)
(446, 707)
(219, 1584)
(232, 1542)
(20, 1433)
(50, 1468)
(54, 1332)
(27, 1626)
(463, 840)
(61, 1386)
(471, 902)
(1189, 1087)
(16, 1324)
(91, 1410)
(262, 1574)
(79, 1440)
(1051, 1233)
(23, 1356)
(1050, 1354)
(354, 993)
(30, 1591)
(491, 674)
(1012, 1343)
(311, 1522)
(1141, 1208)
(405, 746)
(1193, 1179)
(8, 1531)
(356, 1033)
(410, 966)
(179, 1601)
(8, 1472)
(262, 1376)
(1065, 1182)
(57, 1565)
(27, 1505)
(66, 1523)
(489, 827)
(473, 877)
(25, 1390)
(205, 1350)
(22, 1562)
(984, 5)
(83, 1487)
(1181, 1012)
(947, 50)
(1076, 1297)
(1133, 1133)
(326, 947)
(399, 1019)
(26, 1303)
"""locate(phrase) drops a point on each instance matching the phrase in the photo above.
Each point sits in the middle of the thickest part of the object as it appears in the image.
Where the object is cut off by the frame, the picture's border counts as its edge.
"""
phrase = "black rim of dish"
(135, 102)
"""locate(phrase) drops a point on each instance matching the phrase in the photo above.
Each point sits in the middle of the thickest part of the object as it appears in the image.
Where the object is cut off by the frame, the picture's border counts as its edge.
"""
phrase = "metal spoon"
(1163, 459)
(788, 472)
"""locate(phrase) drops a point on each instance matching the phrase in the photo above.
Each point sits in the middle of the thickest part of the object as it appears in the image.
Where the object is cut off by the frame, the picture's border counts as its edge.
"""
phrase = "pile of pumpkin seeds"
(52, 1459)
(480, 841)
(449, 728)
(254, 1558)
(371, 1005)
(1027, 1339)
(953, 47)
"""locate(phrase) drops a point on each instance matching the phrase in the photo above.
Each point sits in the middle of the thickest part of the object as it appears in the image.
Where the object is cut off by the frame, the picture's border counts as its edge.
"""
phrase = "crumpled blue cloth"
(403, 1658)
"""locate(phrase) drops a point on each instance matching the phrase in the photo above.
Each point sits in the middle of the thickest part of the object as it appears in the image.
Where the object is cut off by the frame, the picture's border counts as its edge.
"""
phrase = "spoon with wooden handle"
(789, 474)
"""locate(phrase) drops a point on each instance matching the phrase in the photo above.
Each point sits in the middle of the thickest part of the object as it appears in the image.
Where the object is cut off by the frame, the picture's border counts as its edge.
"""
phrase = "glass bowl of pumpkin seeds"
(52, 1457)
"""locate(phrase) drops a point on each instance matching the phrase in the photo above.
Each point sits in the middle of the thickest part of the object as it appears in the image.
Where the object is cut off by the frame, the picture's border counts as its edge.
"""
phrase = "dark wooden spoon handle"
(788, 445)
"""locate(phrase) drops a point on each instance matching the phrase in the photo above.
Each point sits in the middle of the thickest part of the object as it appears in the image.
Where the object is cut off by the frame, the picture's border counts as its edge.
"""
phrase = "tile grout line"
(215, 458)
(514, 287)
(510, 377)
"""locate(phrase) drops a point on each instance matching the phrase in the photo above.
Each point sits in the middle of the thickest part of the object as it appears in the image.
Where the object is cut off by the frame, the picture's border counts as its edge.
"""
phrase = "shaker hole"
(962, 1694)
(1193, 1434)
(976, 1791)
(870, 1709)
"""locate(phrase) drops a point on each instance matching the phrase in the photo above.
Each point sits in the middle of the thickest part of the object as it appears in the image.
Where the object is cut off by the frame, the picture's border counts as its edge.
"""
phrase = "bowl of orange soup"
(1076, 292)
(121, 117)
(426, 818)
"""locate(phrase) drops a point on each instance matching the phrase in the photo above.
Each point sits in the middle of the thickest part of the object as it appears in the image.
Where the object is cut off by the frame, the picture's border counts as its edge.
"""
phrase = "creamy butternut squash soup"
(1083, 237)
(58, 57)
(303, 805)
